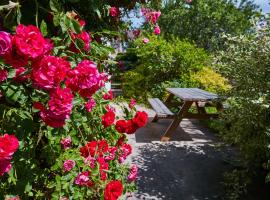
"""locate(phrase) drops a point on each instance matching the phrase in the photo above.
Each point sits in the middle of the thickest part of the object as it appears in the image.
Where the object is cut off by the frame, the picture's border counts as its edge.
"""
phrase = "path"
(190, 167)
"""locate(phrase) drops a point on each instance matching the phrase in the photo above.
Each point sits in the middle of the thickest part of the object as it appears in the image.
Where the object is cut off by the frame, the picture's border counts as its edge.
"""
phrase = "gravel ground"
(189, 167)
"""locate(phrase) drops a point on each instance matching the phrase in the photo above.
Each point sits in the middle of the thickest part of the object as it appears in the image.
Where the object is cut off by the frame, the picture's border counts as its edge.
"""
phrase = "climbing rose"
(30, 43)
(60, 102)
(103, 166)
(90, 105)
(140, 119)
(108, 96)
(3, 75)
(84, 37)
(113, 190)
(131, 127)
(114, 12)
(5, 43)
(60, 105)
(66, 143)
(15, 60)
(8, 145)
(126, 150)
(49, 72)
(19, 78)
(121, 126)
(5, 166)
(132, 103)
(154, 17)
(188, 1)
(133, 173)
(145, 40)
(94, 148)
(85, 79)
(108, 119)
(157, 30)
(68, 165)
(111, 154)
(83, 179)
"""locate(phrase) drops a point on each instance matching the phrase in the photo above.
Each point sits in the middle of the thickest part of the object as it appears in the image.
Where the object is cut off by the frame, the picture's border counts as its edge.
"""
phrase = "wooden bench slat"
(160, 108)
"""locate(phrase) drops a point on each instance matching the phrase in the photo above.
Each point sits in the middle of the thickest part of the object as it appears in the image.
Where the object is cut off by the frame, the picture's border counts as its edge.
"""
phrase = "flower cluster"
(131, 125)
(8, 145)
(114, 12)
(152, 18)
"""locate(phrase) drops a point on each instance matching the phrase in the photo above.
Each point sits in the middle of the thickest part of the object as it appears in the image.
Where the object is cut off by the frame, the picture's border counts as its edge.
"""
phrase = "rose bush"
(63, 139)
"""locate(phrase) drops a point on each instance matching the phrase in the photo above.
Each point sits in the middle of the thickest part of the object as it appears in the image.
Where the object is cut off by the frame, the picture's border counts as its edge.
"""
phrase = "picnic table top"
(193, 94)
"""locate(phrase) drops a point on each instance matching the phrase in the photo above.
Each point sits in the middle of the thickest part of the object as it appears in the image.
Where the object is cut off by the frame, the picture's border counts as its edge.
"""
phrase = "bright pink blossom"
(114, 12)
(132, 103)
(5, 43)
(133, 173)
(19, 78)
(83, 179)
(103, 166)
(66, 143)
(85, 79)
(49, 72)
(111, 154)
(145, 40)
(157, 30)
(30, 43)
(68, 165)
(90, 105)
(84, 37)
(8, 145)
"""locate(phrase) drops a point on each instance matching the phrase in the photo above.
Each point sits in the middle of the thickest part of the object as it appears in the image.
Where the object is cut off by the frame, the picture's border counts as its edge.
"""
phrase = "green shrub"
(246, 63)
(174, 63)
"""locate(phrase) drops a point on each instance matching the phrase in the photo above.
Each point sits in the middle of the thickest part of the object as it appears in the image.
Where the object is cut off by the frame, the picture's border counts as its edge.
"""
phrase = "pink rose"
(49, 72)
(133, 173)
(145, 40)
(85, 79)
(8, 145)
(68, 165)
(108, 96)
(90, 105)
(157, 30)
(5, 43)
(85, 37)
(30, 43)
(83, 179)
(66, 143)
(5, 166)
(19, 78)
(15, 60)
(111, 154)
(114, 12)
(188, 1)
(13, 198)
(3, 75)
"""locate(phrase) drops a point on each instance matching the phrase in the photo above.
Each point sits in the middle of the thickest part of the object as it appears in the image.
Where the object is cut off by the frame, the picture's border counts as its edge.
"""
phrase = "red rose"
(30, 43)
(3, 75)
(113, 190)
(49, 72)
(103, 166)
(15, 60)
(108, 119)
(121, 126)
(94, 148)
(108, 96)
(8, 145)
(131, 127)
(114, 12)
(5, 166)
(140, 119)
(19, 78)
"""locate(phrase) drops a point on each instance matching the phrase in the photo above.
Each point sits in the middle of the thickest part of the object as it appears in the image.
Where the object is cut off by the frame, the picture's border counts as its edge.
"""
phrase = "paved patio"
(189, 167)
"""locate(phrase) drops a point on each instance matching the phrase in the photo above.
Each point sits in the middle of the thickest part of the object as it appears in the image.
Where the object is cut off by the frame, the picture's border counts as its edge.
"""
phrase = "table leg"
(201, 110)
(175, 123)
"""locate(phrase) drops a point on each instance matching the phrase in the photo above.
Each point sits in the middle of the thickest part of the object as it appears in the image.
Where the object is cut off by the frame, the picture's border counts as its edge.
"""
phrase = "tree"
(204, 21)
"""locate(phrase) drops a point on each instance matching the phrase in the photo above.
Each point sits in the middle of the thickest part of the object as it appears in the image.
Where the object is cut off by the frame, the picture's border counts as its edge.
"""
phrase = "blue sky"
(264, 5)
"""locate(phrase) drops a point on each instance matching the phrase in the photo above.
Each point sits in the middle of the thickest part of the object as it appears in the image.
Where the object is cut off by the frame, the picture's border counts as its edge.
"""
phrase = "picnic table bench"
(189, 96)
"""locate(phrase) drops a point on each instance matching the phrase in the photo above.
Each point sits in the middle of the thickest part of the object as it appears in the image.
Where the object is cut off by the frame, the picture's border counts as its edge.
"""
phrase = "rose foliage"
(59, 138)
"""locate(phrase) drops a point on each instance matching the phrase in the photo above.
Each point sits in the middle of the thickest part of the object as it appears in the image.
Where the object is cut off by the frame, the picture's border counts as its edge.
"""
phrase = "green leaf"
(12, 73)
(98, 13)
(76, 27)
(43, 28)
(55, 6)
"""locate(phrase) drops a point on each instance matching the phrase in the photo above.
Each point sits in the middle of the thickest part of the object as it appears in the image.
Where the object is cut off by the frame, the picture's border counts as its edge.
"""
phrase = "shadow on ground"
(190, 167)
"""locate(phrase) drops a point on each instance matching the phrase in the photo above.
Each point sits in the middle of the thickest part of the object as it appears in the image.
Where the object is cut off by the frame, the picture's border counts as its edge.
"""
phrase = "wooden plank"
(160, 108)
(193, 94)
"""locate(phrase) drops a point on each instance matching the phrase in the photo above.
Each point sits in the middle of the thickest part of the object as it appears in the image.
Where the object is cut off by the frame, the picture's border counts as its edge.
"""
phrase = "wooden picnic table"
(189, 97)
